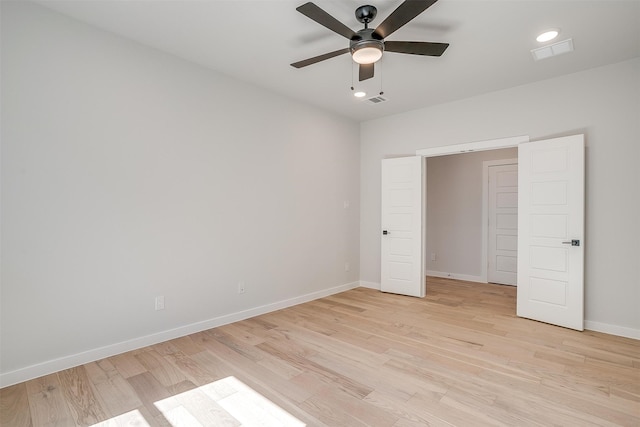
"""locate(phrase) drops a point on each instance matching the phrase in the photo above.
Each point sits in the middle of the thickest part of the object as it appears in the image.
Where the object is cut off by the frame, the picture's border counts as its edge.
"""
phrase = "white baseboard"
(370, 285)
(464, 277)
(621, 331)
(51, 366)
(376, 286)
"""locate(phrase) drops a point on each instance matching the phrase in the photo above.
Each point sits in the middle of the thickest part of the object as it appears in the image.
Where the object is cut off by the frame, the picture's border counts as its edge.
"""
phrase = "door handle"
(573, 242)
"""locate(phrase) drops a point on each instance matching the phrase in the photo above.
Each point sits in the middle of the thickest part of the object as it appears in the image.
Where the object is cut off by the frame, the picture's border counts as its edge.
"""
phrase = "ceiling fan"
(366, 45)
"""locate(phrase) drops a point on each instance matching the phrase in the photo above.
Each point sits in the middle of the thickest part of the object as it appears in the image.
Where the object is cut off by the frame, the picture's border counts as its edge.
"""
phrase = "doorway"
(457, 213)
(550, 225)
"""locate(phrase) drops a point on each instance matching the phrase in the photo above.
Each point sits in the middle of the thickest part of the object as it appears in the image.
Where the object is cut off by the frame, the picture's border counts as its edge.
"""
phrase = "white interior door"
(402, 234)
(551, 231)
(502, 251)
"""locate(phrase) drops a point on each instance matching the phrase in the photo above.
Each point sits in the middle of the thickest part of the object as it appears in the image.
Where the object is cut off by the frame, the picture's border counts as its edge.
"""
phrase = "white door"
(502, 253)
(402, 267)
(551, 231)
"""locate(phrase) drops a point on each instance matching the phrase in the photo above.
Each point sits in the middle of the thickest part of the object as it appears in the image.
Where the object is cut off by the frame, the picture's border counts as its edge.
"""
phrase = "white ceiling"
(490, 43)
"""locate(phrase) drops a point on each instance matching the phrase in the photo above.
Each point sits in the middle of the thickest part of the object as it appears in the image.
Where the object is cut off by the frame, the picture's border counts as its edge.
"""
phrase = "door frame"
(490, 144)
(484, 257)
(445, 150)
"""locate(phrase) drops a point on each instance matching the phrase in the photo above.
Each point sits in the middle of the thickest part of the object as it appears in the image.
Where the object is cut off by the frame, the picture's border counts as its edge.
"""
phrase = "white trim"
(491, 144)
(484, 256)
(370, 285)
(465, 277)
(621, 331)
(66, 362)
(423, 225)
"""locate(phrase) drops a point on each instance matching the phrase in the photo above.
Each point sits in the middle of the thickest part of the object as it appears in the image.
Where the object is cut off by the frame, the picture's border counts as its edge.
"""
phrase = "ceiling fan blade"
(319, 58)
(416, 48)
(365, 71)
(403, 14)
(312, 11)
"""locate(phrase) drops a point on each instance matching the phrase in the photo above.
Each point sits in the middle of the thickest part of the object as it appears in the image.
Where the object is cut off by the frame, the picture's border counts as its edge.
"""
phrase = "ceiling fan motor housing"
(366, 38)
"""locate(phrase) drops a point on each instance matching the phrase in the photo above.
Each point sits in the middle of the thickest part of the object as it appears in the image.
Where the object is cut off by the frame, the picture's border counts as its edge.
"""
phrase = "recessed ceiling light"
(547, 35)
(360, 94)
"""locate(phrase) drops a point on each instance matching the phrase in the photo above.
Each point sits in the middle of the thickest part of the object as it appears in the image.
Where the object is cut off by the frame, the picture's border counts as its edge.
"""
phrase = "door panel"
(502, 250)
(551, 203)
(552, 226)
(402, 268)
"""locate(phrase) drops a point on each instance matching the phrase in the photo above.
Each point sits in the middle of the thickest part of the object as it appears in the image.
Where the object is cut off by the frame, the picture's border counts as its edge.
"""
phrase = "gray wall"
(128, 173)
(602, 103)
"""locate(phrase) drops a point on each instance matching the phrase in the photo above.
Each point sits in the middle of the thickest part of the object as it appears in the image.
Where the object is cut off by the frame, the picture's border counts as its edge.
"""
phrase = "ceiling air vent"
(377, 99)
(559, 48)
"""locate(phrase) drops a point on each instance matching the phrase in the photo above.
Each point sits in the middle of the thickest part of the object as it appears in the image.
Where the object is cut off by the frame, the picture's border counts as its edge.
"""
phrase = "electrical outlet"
(241, 288)
(346, 204)
(347, 267)
(160, 302)
(433, 256)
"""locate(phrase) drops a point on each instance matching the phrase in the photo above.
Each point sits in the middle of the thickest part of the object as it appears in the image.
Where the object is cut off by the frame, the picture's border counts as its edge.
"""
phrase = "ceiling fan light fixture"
(547, 35)
(367, 55)
(366, 51)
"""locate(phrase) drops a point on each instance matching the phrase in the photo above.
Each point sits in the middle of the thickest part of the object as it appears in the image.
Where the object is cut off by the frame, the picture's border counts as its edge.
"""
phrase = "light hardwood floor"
(458, 357)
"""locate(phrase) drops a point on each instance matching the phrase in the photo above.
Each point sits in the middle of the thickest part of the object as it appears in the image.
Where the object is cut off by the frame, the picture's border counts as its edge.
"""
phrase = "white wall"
(128, 173)
(602, 103)
(454, 212)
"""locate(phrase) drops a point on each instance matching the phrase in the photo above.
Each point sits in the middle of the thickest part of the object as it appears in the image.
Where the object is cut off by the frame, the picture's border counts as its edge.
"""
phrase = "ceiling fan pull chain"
(351, 66)
(380, 73)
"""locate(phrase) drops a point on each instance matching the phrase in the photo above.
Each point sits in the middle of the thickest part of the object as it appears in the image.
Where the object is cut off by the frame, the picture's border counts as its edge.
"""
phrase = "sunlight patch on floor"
(226, 402)
(131, 418)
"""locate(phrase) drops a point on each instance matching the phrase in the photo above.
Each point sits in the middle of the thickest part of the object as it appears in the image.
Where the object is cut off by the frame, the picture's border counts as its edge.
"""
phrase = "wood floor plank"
(329, 415)
(206, 360)
(280, 367)
(254, 372)
(406, 414)
(241, 334)
(14, 406)
(187, 345)
(149, 391)
(127, 364)
(239, 345)
(351, 385)
(191, 369)
(320, 342)
(101, 371)
(206, 410)
(47, 402)
(116, 393)
(458, 357)
(86, 407)
(164, 371)
(360, 409)
(431, 405)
